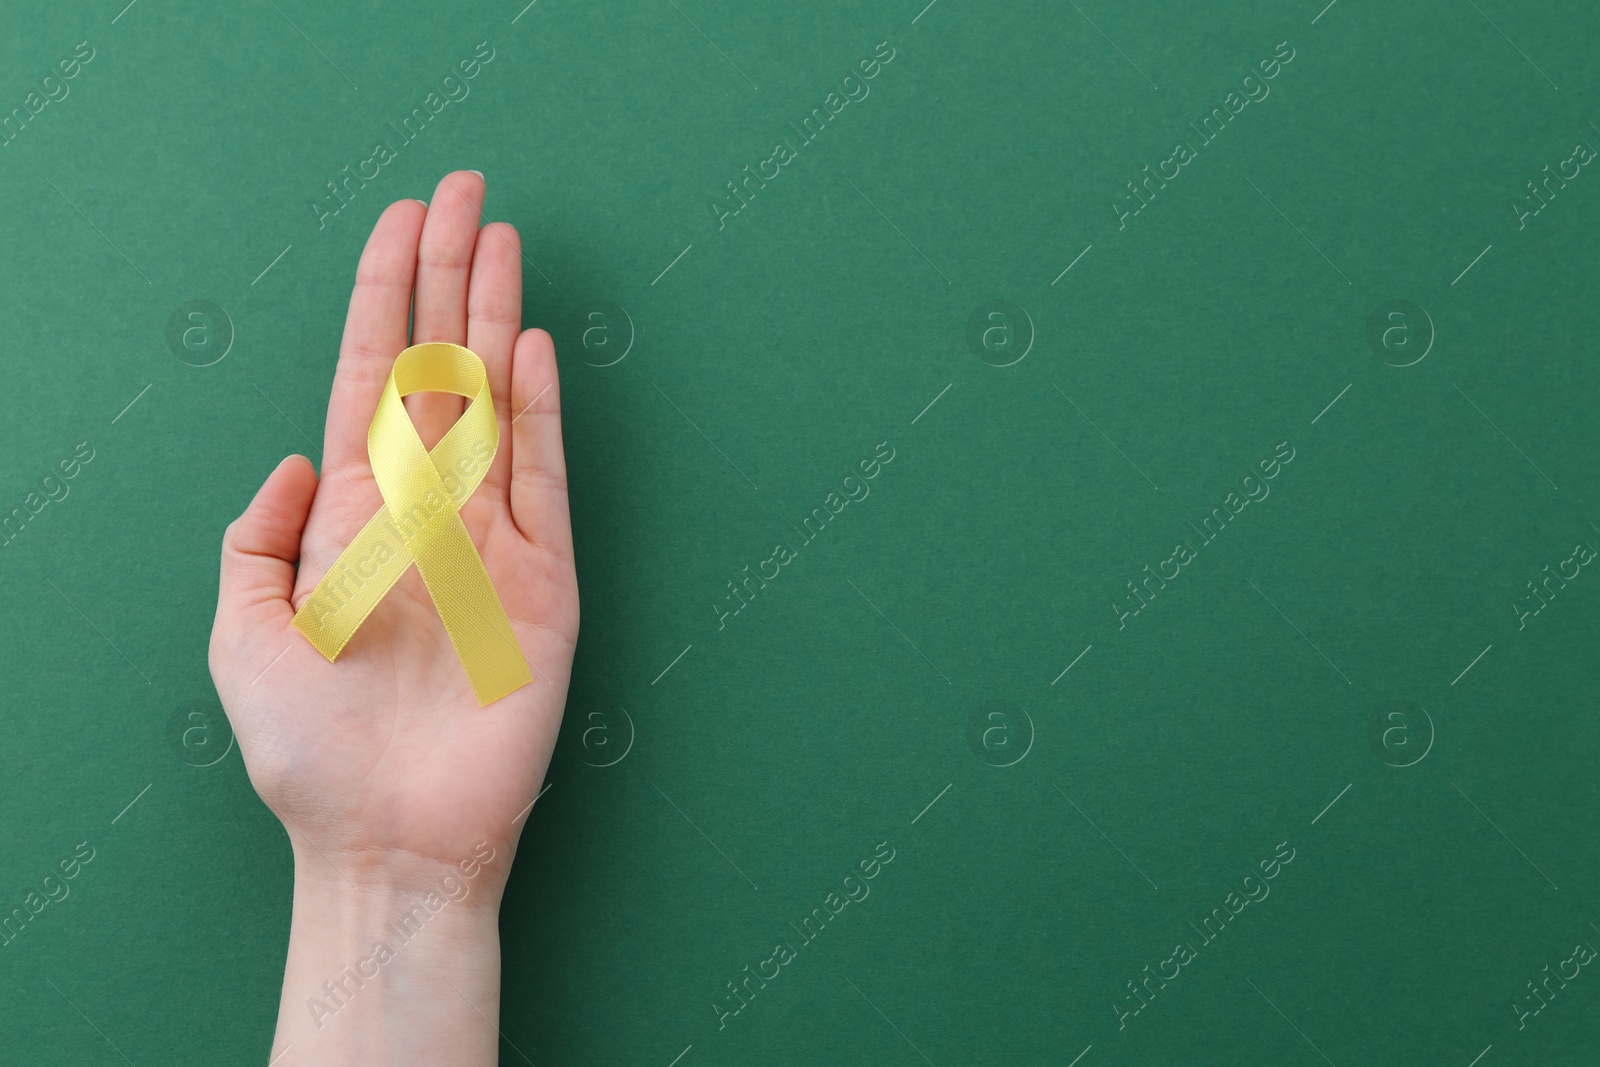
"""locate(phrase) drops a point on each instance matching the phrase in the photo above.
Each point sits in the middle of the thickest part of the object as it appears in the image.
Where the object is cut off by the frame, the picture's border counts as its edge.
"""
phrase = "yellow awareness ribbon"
(420, 523)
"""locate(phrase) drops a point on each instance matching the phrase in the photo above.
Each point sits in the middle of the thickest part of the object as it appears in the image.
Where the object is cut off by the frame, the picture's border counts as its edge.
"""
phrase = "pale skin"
(390, 780)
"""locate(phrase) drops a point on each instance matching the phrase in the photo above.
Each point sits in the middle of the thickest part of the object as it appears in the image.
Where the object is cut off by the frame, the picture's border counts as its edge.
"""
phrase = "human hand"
(382, 766)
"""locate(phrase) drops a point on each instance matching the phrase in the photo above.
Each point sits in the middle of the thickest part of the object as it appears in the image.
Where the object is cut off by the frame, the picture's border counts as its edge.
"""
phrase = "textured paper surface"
(951, 668)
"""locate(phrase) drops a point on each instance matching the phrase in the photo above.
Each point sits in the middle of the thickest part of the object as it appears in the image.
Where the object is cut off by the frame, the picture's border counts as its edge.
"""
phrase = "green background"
(1072, 839)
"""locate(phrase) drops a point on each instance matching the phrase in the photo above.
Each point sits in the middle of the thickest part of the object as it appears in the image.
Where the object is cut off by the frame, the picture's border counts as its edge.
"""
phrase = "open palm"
(385, 755)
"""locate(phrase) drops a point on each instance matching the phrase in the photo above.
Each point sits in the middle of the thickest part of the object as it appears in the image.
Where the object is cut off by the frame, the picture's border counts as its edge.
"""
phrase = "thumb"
(260, 547)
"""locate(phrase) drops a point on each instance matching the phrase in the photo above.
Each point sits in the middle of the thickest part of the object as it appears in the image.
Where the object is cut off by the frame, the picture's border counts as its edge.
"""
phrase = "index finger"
(375, 331)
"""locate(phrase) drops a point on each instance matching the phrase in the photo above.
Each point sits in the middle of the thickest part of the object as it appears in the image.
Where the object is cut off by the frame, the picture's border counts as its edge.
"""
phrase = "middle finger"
(439, 311)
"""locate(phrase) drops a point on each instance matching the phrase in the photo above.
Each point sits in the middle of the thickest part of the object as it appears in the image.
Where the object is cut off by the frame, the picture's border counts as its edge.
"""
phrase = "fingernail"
(424, 203)
(479, 173)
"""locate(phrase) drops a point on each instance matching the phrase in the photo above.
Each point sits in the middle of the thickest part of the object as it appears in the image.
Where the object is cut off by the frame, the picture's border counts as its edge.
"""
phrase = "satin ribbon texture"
(420, 523)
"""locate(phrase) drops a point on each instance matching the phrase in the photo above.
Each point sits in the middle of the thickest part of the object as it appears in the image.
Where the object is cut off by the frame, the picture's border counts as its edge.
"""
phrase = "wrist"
(392, 959)
(475, 881)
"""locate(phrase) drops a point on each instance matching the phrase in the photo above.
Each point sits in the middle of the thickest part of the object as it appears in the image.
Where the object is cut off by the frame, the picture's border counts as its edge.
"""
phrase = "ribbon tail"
(348, 593)
(472, 613)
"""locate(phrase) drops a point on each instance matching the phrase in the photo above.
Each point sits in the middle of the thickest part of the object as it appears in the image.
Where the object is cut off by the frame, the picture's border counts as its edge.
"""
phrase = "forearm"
(391, 964)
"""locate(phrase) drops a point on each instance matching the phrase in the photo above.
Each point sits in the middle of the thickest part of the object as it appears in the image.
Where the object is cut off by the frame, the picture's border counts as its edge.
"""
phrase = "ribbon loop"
(420, 523)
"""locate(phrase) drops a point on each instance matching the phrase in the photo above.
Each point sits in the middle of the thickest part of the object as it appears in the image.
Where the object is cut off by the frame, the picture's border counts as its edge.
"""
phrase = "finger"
(444, 262)
(538, 465)
(374, 331)
(260, 547)
(494, 318)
